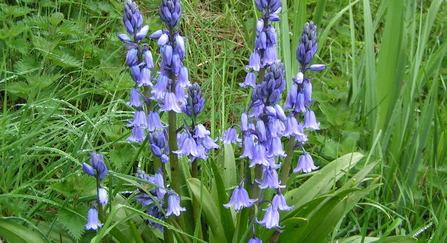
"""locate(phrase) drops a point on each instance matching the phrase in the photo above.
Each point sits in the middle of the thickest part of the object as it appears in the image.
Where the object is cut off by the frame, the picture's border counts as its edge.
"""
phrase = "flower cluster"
(98, 170)
(168, 91)
(155, 199)
(265, 123)
(139, 59)
(299, 99)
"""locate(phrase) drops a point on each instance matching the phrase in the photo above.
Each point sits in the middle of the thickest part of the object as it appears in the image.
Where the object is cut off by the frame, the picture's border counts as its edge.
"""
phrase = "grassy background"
(64, 88)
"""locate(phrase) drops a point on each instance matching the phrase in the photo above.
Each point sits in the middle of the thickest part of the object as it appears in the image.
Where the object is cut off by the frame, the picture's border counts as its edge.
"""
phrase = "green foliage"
(14, 231)
(73, 223)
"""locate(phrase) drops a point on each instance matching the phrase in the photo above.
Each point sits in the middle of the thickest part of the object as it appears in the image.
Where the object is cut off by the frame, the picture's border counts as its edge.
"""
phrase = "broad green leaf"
(293, 227)
(73, 223)
(390, 63)
(75, 185)
(320, 180)
(209, 208)
(228, 167)
(13, 231)
(56, 18)
(64, 59)
(391, 239)
(131, 212)
(225, 213)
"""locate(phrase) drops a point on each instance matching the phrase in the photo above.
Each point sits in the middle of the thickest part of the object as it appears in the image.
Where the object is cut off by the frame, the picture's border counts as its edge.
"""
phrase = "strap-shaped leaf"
(319, 181)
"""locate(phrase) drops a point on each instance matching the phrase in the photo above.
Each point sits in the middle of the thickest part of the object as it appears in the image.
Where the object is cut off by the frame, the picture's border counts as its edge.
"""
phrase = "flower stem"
(285, 168)
(100, 208)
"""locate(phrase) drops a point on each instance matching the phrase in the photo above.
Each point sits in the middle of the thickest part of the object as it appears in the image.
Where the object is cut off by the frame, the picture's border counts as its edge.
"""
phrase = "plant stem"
(287, 162)
(100, 208)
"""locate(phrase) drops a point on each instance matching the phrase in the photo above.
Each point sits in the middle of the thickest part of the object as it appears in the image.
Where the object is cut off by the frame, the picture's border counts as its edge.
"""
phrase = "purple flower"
(170, 103)
(250, 80)
(269, 55)
(166, 54)
(300, 103)
(298, 79)
(132, 57)
(292, 127)
(148, 60)
(258, 156)
(270, 179)
(275, 148)
(174, 205)
(254, 240)
(248, 147)
(188, 147)
(103, 198)
(291, 97)
(137, 135)
(98, 165)
(255, 61)
(135, 98)
(159, 89)
(307, 91)
(201, 132)
(158, 180)
(310, 121)
(305, 164)
(207, 142)
(195, 101)
(239, 199)
(93, 221)
(142, 33)
(139, 119)
(317, 67)
(271, 218)
(231, 136)
(88, 170)
(183, 80)
(260, 128)
(145, 77)
(279, 202)
(154, 122)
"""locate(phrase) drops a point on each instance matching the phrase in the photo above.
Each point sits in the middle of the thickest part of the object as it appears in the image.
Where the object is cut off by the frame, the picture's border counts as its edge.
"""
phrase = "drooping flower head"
(174, 205)
(98, 168)
(155, 201)
(240, 199)
(93, 220)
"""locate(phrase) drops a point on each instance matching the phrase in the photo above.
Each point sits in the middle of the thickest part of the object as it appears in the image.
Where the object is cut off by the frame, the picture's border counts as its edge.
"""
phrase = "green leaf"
(209, 208)
(73, 222)
(41, 21)
(293, 227)
(72, 29)
(222, 197)
(320, 181)
(228, 167)
(16, 232)
(391, 239)
(19, 88)
(56, 18)
(64, 59)
(75, 185)
(121, 157)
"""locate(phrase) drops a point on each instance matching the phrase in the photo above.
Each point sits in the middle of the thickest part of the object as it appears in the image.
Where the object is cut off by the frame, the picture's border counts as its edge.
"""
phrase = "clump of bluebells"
(98, 170)
(167, 92)
(266, 124)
